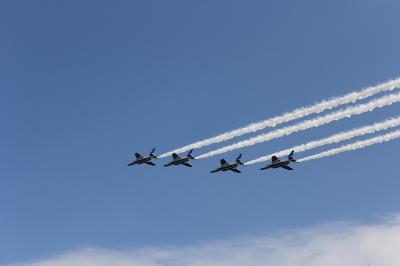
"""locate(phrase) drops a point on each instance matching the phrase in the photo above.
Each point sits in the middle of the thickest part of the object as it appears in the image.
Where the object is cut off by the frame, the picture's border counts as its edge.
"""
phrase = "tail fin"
(238, 161)
(290, 156)
(189, 155)
(152, 153)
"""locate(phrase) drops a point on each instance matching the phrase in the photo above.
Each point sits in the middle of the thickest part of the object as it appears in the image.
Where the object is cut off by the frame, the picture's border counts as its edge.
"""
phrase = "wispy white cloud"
(335, 244)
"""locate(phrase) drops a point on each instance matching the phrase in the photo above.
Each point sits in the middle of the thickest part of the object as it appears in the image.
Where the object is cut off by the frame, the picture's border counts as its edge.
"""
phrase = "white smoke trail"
(321, 120)
(297, 113)
(354, 146)
(390, 123)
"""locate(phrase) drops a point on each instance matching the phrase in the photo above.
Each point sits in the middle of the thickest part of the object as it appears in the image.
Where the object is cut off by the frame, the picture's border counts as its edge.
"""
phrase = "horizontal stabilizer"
(287, 167)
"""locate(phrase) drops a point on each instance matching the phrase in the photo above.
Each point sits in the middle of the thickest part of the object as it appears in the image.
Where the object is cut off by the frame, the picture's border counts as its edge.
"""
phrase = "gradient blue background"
(85, 84)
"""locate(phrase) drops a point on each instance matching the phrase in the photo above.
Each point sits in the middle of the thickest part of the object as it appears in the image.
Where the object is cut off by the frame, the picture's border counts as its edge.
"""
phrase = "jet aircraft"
(276, 163)
(177, 160)
(225, 166)
(147, 160)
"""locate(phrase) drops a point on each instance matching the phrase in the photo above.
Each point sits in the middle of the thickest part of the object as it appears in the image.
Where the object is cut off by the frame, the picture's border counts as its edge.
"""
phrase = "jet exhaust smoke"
(311, 123)
(296, 114)
(390, 123)
(354, 146)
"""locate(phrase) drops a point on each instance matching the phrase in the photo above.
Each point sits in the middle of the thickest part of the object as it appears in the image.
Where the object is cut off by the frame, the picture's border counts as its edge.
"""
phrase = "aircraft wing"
(175, 156)
(223, 162)
(187, 164)
(151, 163)
(235, 170)
(138, 156)
(287, 167)
(168, 164)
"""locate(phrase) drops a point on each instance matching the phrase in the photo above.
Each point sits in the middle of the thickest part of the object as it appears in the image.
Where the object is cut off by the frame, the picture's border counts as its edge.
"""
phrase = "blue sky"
(85, 84)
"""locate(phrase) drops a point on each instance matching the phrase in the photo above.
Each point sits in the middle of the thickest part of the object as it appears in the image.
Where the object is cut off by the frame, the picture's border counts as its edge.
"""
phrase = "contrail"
(297, 113)
(318, 121)
(354, 146)
(394, 122)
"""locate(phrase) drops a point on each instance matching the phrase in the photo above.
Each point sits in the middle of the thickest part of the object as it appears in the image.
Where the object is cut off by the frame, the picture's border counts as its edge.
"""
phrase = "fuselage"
(276, 165)
(142, 160)
(228, 167)
(180, 161)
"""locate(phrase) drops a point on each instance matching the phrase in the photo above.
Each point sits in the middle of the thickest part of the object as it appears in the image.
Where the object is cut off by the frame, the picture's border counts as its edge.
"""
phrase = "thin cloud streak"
(334, 244)
(390, 123)
(296, 114)
(354, 146)
(311, 123)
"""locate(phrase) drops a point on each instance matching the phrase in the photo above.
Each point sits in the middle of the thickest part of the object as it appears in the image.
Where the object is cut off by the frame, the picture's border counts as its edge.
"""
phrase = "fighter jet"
(225, 166)
(147, 160)
(176, 160)
(276, 163)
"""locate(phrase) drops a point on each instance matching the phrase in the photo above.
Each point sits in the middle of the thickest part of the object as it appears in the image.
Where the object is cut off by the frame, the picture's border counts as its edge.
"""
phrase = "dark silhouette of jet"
(147, 160)
(276, 163)
(176, 160)
(225, 166)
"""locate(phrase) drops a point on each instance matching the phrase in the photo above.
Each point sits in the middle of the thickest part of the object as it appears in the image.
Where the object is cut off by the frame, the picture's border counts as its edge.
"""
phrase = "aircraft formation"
(351, 108)
(224, 165)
